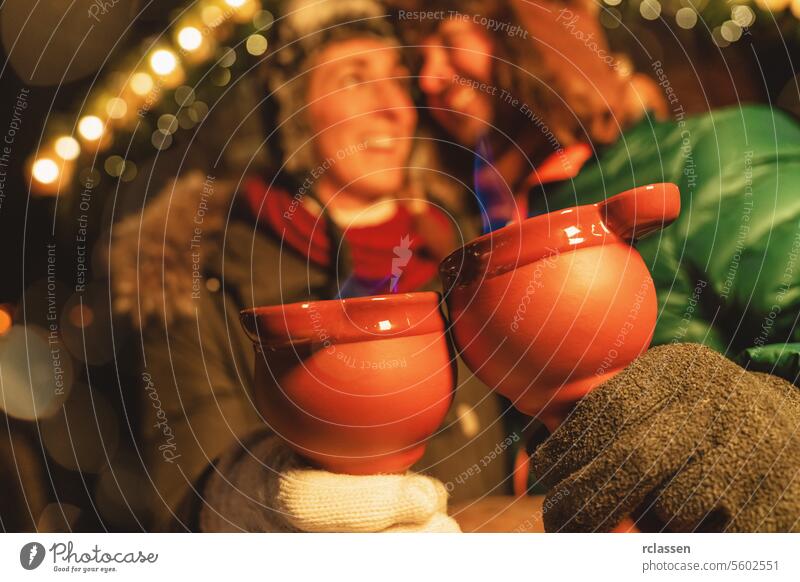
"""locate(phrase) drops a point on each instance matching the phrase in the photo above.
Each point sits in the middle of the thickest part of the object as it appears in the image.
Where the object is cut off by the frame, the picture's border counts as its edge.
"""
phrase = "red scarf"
(386, 257)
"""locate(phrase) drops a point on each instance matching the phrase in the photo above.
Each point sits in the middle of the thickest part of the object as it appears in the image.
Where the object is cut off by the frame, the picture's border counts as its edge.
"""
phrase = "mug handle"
(640, 211)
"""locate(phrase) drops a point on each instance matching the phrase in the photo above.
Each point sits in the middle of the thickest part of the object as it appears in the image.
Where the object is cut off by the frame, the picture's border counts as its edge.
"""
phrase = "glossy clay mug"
(354, 385)
(546, 309)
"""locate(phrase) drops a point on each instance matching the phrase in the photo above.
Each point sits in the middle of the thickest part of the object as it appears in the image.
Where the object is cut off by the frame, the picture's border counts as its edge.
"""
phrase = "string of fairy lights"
(727, 20)
(129, 99)
(134, 100)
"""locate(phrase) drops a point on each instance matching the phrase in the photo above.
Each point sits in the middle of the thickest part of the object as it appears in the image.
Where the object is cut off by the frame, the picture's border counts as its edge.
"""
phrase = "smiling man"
(726, 272)
(593, 132)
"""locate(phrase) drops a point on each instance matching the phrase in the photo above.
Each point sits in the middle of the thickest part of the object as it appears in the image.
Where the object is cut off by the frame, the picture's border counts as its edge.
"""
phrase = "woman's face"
(456, 78)
(362, 115)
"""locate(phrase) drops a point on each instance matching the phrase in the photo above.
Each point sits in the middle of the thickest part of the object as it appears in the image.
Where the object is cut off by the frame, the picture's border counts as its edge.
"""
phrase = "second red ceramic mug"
(354, 385)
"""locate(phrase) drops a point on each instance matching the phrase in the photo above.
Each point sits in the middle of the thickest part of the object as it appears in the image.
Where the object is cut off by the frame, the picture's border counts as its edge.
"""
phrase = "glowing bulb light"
(189, 38)
(141, 83)
(163, 62)
(773, 5)
(6, 321)
(67, 148)
(212, 16)
(235, 3)
(116, 108)
(45, 170)
(90, 127)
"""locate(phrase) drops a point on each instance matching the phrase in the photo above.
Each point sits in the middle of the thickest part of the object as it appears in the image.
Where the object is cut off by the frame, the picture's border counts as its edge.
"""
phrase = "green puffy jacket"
(726, 271)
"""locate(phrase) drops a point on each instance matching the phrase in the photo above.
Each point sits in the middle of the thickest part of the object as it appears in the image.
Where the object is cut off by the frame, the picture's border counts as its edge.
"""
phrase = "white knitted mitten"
(266, 487)
(319, 501)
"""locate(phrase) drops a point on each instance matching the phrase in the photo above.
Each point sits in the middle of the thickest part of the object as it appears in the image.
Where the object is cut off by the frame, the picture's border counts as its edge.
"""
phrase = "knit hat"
(307, 27)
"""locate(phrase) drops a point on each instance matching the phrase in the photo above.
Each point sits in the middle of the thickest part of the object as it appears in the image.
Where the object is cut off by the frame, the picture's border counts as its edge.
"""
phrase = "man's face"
(456, 60)
(362, 115)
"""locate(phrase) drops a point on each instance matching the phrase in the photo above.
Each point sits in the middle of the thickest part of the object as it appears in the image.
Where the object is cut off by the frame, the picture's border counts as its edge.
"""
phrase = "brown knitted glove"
(684, 436)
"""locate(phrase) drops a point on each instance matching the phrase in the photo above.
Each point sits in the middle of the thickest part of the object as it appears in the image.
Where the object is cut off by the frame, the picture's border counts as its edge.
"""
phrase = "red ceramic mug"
(546, 309)
(354, 385)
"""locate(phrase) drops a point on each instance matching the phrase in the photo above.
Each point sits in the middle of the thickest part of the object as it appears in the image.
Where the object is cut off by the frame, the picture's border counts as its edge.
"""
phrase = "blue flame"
(354, 286)
(497, 203)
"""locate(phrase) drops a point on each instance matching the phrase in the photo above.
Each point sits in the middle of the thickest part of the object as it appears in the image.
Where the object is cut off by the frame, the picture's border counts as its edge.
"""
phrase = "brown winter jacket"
(198, 369)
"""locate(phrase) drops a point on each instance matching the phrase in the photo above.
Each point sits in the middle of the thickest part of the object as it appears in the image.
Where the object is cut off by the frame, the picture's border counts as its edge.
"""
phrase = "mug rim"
(521, 243)
(620, 219)
(348, 320)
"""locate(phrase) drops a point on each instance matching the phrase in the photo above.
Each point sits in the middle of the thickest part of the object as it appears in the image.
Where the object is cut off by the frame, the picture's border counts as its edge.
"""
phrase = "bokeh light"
(730, 31)
(114, 166)
(81, 315)
(168, 123)
(163, 62)
(189, 38)
(90, 127)
(36, 373)
(611, 18)
(116, 108)
(264, 19)
(227, 58)
(45, 170)
(686, 17)
(773, 5)
(719, 40)
(184, 96)
(211, 15)
(743, 15)
(256, 44)
(141, 83)
(220, 77)
(67, 147)
(6, 320)
(650, 9)
(89, 177)
(198, 111)
(161, 139)
(129, 172)
(85, 324)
